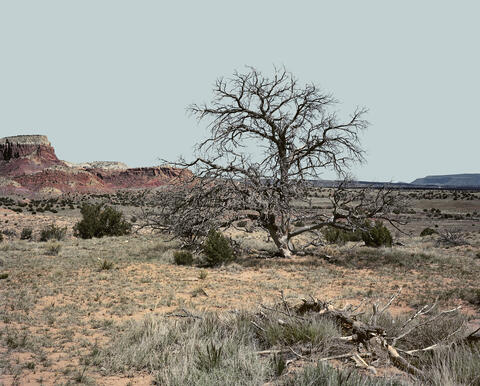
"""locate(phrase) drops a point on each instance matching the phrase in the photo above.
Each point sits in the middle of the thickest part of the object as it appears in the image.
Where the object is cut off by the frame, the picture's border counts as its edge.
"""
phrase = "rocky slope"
(28, 165)
(25, 154)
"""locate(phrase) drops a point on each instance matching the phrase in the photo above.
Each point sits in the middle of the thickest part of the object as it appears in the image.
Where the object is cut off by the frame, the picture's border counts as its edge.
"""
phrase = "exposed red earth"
(29, 165)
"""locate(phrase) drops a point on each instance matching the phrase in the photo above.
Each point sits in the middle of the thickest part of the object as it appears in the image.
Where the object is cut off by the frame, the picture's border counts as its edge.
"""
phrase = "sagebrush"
(183, 257)
(53, 232)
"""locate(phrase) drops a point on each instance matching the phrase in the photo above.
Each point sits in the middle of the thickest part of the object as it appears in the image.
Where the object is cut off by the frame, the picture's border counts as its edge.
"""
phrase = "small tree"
(377, 235)
(99, 220)
(26, 234)
(217, 249)
(297, 136)
(428, 232)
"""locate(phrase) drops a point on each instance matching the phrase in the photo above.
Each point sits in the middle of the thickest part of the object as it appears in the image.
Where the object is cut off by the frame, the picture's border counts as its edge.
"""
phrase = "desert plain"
(119, 311)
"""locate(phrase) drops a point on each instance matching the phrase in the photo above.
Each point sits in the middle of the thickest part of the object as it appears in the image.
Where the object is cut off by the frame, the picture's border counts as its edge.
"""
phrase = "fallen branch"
(431, 320)
(367, 340)
(185, 314)
(473, 335)
(373, 338)
(362, 364)
(343, 356)
(281, 312)
(433, 346)
(256, 325)
(376, 314)
(268, 352)
(402, 363)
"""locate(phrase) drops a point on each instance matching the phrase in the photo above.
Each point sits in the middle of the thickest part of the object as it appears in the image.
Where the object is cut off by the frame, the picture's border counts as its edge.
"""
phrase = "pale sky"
(110, 79)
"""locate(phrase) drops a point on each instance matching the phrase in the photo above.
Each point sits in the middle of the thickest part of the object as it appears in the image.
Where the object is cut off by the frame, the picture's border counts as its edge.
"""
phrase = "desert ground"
(119, 311)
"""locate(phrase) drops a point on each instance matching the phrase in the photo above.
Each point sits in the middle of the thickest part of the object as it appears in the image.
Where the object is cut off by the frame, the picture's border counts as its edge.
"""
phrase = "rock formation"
(23, 154)
(28, 164)
(21, 146)
(471, 180)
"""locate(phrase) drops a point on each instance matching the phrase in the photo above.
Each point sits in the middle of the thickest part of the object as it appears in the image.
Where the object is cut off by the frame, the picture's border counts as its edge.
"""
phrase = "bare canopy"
(296, 135)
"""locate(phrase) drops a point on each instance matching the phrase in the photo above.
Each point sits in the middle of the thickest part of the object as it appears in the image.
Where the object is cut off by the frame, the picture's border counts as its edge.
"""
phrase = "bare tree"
(295, 136)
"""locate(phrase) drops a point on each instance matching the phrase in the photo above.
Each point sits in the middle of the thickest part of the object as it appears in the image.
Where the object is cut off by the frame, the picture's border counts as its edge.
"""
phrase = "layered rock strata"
(21, 146)
(28, 164)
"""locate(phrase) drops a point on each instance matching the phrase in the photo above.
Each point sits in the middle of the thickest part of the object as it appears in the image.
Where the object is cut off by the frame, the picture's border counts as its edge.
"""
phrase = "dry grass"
(76, 310)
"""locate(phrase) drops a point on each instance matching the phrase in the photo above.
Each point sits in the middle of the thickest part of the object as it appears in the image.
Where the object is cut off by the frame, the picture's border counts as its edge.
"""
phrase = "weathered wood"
(402, 363)
(373, 338)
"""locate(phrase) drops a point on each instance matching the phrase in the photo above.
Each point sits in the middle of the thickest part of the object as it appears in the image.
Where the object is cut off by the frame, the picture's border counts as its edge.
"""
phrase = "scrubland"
(118, 310)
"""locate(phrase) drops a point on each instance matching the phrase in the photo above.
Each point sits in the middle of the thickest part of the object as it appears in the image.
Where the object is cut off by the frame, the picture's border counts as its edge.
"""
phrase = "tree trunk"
(278, 234)
(281, 242)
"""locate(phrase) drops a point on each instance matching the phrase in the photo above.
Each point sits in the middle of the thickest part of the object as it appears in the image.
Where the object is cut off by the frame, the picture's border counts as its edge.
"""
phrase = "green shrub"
(183, 258)
(99, 221)
(340, 236)
(377, 235)
(26, 234)
(53, 232)
(428, 232)
(217, 249)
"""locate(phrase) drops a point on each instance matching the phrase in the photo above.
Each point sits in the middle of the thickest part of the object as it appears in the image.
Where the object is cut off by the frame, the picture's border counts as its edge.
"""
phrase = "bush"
(377, 235)
(427, 232)
(1, 237)
(217, 249)
(183, 258)
(53, 232)
(99, 221)
(339, 236)
(26, 234)
(106, 265)
(53, 248)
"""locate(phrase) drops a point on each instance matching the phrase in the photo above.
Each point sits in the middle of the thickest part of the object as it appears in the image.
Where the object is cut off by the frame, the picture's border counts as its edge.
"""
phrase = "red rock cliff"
(23, 146)
(28, 164)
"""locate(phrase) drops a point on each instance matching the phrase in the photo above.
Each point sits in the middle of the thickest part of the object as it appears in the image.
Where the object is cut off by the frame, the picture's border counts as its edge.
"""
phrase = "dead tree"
(269, 139)
(368, 340)
(452, 237)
